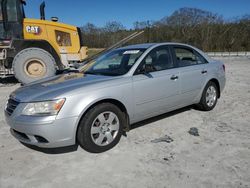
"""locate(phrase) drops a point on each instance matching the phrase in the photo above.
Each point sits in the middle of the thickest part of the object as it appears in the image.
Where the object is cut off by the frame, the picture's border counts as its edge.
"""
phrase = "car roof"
(149, 45)
(138, 46)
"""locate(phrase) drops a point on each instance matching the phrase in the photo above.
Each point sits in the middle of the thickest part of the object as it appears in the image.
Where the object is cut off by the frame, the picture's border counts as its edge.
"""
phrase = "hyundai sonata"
(124, 86)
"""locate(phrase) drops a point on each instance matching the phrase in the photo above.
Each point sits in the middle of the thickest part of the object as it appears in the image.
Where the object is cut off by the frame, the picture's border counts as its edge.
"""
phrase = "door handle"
(204, 72)
(174, 77)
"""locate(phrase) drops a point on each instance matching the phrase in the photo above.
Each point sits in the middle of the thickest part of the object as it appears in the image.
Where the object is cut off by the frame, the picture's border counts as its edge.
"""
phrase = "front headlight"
(45, 108)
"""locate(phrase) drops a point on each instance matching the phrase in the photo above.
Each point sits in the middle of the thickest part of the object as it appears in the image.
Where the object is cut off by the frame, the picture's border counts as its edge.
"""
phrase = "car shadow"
(53, 151)
(160, 117)
(70, 149)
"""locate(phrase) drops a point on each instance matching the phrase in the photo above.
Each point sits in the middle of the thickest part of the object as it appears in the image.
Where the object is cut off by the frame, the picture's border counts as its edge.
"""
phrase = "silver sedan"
(127, 85)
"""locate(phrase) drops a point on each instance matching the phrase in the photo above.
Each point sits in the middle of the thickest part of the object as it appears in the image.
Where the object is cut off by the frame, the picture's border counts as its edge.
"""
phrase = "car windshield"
(114, 63)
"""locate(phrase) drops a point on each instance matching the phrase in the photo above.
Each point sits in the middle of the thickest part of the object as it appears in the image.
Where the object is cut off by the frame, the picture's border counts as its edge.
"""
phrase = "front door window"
(158, 59)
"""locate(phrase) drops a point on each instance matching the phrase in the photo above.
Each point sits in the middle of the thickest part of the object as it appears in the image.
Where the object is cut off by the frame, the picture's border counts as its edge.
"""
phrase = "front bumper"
(44, 132)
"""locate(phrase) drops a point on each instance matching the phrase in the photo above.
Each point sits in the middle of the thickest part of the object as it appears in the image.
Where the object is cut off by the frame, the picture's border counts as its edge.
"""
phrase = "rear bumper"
(44, 134)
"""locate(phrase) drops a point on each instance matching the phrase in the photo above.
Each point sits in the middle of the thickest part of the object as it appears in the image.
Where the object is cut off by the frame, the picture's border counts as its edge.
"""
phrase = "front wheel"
(101, 128)
(209, 97)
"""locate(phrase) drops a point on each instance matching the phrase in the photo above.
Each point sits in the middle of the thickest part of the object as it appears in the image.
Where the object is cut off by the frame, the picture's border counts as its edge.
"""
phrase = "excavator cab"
(11, 20)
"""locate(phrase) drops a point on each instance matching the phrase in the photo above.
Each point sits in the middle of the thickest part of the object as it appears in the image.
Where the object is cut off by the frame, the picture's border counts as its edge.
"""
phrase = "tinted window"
(62, 38)
(158, 59)
(114, 63)
(11, 10)
(1, 15)
(187, 57)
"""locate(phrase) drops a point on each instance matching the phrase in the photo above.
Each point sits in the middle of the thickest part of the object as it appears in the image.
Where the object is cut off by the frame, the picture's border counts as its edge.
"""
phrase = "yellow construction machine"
(33, 49)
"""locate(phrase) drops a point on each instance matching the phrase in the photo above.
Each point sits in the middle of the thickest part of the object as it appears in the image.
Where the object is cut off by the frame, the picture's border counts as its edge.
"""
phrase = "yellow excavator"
(33, 49)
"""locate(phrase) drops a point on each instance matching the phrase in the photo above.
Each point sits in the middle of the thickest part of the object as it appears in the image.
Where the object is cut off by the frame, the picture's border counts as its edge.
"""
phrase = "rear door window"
(187, 57)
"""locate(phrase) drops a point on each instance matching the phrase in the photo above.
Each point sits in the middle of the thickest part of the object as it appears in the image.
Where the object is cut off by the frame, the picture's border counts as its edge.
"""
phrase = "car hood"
(58, 86)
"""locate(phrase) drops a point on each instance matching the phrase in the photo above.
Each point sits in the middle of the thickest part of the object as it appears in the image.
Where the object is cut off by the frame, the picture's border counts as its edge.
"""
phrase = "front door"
(157, 88)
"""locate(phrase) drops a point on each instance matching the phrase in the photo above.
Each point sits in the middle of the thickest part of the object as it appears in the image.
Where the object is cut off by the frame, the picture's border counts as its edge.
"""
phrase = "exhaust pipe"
(42, 12)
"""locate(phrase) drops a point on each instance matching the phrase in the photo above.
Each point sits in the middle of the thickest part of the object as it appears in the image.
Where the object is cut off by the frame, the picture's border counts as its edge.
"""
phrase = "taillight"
(224, 67)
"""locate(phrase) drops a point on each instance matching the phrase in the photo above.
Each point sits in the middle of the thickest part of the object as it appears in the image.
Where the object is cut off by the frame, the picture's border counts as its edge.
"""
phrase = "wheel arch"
(20, 45)
(115, 102)
(214, 80)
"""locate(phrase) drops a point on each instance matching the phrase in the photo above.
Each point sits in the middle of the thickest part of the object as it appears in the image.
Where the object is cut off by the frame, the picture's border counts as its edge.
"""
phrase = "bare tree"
(200, 28)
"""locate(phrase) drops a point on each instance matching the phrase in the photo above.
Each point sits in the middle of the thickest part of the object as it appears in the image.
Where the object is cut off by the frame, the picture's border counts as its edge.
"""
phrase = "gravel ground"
(219, 157)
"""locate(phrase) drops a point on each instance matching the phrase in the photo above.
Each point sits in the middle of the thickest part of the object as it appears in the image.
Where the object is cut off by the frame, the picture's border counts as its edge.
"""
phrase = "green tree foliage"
(203, 29)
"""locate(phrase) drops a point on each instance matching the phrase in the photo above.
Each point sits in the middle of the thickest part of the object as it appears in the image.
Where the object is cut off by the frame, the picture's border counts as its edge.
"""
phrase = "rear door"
(158, 89)
(193, 72)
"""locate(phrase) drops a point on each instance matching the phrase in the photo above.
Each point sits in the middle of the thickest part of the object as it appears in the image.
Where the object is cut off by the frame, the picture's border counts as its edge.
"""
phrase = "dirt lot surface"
(219, 157)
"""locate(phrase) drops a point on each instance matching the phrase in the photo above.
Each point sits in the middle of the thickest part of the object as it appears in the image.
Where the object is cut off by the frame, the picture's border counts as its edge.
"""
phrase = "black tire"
(26, 57)
(84, 136)
(203, 105)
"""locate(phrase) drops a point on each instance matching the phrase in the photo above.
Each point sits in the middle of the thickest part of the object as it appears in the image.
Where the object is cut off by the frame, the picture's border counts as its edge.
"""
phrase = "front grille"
(11, 106)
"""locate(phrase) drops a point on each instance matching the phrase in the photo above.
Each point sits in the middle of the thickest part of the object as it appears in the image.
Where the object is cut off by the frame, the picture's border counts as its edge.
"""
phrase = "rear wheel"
(209, 97)
(33, 64)
(101, 128)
